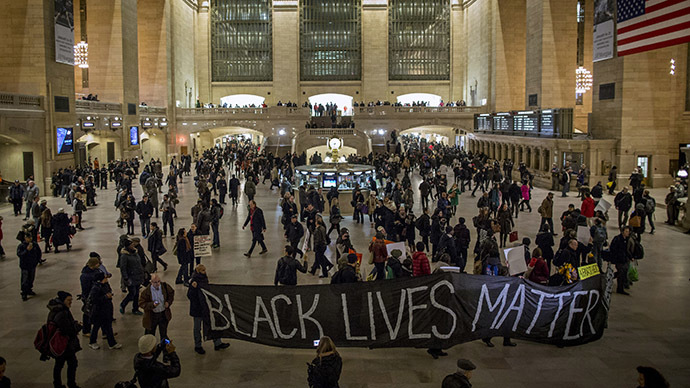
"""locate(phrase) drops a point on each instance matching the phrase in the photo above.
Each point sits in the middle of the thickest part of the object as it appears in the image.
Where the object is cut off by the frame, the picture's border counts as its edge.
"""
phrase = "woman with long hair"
(46, 221)
(325, 368)
(335, 217)
(505, 220)
(185, 257)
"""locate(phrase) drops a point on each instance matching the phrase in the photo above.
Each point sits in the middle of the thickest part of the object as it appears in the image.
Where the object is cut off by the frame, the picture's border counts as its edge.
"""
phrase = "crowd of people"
(436, 237)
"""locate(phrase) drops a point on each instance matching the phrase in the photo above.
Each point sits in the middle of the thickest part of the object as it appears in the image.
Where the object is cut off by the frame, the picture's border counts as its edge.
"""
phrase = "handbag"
(150, 266)
(365, 209)
(635, 221)
(129, 383)
(513, 236)
(633, 275)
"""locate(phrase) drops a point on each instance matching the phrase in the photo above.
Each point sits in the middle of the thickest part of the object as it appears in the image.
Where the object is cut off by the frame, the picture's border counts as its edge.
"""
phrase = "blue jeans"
(133, 296)
(145, 225)
(198, 323)
(216, 235)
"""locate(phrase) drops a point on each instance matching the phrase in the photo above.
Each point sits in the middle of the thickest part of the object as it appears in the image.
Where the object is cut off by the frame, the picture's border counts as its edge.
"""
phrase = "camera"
(316, 343)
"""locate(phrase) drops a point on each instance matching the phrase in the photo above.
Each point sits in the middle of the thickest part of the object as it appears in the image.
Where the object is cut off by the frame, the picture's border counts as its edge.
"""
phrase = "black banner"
(432, 311)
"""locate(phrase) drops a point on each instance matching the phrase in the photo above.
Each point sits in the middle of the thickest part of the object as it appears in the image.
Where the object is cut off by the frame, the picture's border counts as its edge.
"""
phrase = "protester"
(29, 257)
(185, 257)
(348, 273)
(257, 225)
(324, 370)
(4, 380)
(198, 309)
(649, 377)
(620, 256)
(100, 306)
(286, 270)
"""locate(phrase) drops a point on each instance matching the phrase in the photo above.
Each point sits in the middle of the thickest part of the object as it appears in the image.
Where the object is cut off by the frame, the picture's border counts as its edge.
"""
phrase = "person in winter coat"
(325, 369)
(347, 274)
(335, 217)
(198, 309)
(286, 270)
(46, 223)
(233, 186)
(16, 197)
(222, 186)
(133, 276)
(420, 263)
(320, 242)
(185, 257)
(100, 302)
(156, 300)
(546, 212)
(461, 378)
(505, 221)
(545, 243)
(587, 208)
(294, 231)
(623, 203)
(446, 245)
(29, 254)
(155, 242)
(151, 372)
(250, 189)
(379, 255)
(537, 268)
(61, 230)
(620, 256)
(62, 317)
(257, 224)
(649, 208)
(526, 191)
(86, 279)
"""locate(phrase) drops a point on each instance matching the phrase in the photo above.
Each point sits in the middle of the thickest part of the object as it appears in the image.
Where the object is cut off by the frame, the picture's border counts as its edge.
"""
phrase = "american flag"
(652, 24)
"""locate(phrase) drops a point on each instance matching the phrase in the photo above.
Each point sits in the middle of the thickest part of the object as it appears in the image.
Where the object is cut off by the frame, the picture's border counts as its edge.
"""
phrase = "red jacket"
(540, 273)
(378, 249)
(420, 264)
(587, 208)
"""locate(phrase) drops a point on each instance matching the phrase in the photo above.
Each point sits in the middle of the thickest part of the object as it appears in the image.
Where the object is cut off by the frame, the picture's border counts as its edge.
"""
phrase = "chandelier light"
(81, 55)
(583, 80)
(673, 67)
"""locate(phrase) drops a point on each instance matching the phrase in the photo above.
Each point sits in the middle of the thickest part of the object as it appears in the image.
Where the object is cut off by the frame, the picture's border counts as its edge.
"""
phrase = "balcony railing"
(97, 106)
(274, 111)
(20, 101)
(152, 110)
(383, 110)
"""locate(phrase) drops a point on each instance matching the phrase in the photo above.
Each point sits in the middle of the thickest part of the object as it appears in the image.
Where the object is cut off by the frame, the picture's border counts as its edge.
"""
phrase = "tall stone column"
(286, 56)
(508, 81)
(551, 53)
(374, 50)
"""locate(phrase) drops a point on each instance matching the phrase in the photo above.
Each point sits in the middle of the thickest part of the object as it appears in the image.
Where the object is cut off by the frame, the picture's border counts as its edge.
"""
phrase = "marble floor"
(650, 327)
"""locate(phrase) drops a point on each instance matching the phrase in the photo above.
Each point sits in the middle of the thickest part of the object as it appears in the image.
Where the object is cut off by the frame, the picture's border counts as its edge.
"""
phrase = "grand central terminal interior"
(438, 139)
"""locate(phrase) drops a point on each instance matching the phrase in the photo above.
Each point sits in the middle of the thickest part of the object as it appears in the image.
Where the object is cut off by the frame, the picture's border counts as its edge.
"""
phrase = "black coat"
(294, 231)
(155, 242)
(102, 306)
(345, 275)
(289, 266)
(325, 371)
(258, 224)
(29, 259)
(619, 250)
(60, 223)
(197, 302)
(63, 319)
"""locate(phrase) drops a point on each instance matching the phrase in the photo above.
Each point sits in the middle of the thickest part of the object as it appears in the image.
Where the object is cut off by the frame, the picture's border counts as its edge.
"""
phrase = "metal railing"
(269, 111)
(402, 110)
(152, 110)
(97, 106)
(20, 101)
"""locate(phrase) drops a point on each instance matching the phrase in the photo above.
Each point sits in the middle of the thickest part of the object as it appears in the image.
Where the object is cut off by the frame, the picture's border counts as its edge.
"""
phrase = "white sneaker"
(94, 346)
(116, 346)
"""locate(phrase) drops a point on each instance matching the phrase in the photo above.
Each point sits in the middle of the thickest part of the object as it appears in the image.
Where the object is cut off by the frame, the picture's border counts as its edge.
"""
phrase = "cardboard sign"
(587, 271)
(603, 205)
(202, 245)
(398, 245)
(515, 259)
(583, 235)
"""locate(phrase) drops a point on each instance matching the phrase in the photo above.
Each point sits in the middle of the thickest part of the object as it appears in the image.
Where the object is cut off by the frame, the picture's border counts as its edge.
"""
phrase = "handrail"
(152, 110)
(20, 101)
(390, 109)
(99, 106)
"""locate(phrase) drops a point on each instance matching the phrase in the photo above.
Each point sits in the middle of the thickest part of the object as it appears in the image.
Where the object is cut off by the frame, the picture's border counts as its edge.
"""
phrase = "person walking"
(461, 378)
(293, 233)
(587, 208)
(145, 210)
(672, 206)
(61, 230)
(546, 212)
(133, 276)
(198, 309)
(234, 185)
(613, 178)
(216, 214)
(286, 270)
(61, 316)
(156, 300)
(324, 370)
(320, 242)
(334, 217)
(79, 208)
(30, 193)
(623, 203)
(46, 223)
(257, 225)
(379, 255)
(29, 254)
(649, 208)
(156, 246)
(86, 279)
(167, 211)
(100, 306)
(620, 257)
(185, 257)
(16, 197)
(250, 188)
(505, 221)
(222, 186)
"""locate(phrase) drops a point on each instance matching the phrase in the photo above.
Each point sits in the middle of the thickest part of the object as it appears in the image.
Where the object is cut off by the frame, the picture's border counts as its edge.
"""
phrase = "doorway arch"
(343, 101)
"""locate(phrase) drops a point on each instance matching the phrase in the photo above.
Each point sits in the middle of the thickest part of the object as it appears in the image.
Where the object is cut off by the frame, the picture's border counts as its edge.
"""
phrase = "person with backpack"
(546, 212)
(420, 262)
(86, 279)
(133, 276)
(99, 306)
(286, 270)
(347, 274)
(649, 208)
(61, 316)
(216, 214)
(599, 240)
(167, 211)
(198, 309)
(324, 370)
(423, 224)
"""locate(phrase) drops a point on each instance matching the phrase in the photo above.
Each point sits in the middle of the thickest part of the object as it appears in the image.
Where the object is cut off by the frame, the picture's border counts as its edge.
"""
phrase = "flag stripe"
(645, 42)
(654, 27)
(631, 24)
(658, 45)
(655, 7)
(656, 32)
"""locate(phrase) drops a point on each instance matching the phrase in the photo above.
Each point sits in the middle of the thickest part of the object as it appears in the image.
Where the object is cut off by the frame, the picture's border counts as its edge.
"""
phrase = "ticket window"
(643, 164)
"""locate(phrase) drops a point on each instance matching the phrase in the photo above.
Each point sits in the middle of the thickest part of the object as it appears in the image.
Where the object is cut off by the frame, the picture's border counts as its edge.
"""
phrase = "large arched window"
(241, 40)
(330, 40)
(419, 39)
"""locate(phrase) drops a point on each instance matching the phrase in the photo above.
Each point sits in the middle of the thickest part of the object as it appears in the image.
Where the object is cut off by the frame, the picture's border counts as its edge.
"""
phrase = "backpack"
(87, 309)
(638, 251)
(220, 212)
(599, 234)
(283, 271)
(50, 342)
(563, 179)
(649, 205)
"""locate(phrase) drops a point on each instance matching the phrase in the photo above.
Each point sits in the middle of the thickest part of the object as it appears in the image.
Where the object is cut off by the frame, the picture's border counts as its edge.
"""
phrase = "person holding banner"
(286, 270)
(257, 224)
(461, 378)
(324, 370)
(198, 309)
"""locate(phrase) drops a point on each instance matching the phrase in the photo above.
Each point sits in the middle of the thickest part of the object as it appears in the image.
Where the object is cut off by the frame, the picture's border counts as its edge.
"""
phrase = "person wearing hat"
(100, 306)
(87, 278)
(60, 223)
(348, 273)
(293, 233)
(379, 255)
(461, 378)
(30, 194)
(151, 372)
(133, 276)
(198, 309)
(16, 197)
(61, 316)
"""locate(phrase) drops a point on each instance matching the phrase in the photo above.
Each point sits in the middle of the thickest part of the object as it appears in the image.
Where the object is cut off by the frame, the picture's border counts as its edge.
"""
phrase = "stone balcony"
(12, 102)
(273, 112)
(94, 107)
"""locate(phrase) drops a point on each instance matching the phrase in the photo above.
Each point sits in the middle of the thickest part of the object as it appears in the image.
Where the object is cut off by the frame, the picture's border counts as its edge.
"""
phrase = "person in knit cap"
(461, 378)
(151, 372)
(61, 315)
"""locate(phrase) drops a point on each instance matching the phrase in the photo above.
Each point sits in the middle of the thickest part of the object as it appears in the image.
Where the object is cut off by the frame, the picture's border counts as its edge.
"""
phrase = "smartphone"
(167, 341)
(316, 343)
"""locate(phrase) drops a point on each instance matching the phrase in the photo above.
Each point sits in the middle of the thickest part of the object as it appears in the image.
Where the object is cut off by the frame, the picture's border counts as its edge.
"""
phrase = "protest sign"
(515, 259)
(202, 245)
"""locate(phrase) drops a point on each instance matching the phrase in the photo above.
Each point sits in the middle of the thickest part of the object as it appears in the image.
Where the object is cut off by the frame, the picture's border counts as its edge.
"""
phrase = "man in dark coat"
(198, 309)
(61, 229)
(222, 187)
(156, 246)
(347, 273)
(623, 202)
(446, 244)
(234, 185)
(145, 210)
(151, 372)
(100, 301)
(133, 276)
(257, 224)
(29, 257)
(293, 233)
(17, 197)
(620, 257)
(286, 270)
(462, 243)
(63, 319)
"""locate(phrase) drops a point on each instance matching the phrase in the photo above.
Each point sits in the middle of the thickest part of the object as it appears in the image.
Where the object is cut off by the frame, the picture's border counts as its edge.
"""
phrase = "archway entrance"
(436, 133)
(324, 152)
(241, 101)
(416, 98)
(343, 101)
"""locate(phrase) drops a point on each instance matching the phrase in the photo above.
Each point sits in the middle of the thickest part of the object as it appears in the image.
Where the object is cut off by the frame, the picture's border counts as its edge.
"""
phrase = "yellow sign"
(588, 271)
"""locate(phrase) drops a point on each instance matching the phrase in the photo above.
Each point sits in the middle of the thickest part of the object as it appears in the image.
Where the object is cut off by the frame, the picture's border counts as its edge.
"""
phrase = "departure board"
(547, 121)
(503, 123)
(482, 123)
(526, 122)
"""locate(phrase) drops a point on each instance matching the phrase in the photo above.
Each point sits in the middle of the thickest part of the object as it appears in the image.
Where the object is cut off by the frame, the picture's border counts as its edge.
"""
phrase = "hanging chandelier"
(81, 55)
(583, 80)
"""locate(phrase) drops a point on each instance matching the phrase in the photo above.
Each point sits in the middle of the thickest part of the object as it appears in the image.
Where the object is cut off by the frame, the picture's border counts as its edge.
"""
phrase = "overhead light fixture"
(281, 132)
(81, 55)
(673, 67)
(583, 80)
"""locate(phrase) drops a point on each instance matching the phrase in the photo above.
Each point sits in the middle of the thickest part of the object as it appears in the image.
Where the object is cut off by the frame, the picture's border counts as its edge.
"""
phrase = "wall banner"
(64, 31)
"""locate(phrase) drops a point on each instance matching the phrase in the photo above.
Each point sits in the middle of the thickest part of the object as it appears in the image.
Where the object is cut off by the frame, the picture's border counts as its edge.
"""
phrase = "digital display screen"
(503, 123)
(330, 182)
(65, 140)
(526, 122)
(547, 122)
(482, 123)
(134, 135)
